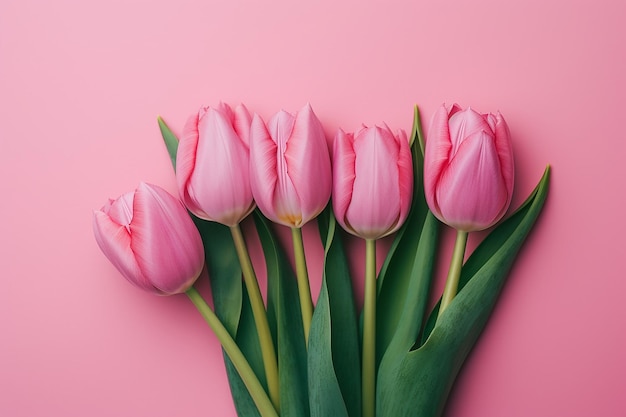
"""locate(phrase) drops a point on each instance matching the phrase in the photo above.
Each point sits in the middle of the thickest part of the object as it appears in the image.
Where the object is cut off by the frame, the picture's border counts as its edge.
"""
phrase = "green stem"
(260, 398)
(454, 273)
(260, 316)
(304, 288)
(369, 332)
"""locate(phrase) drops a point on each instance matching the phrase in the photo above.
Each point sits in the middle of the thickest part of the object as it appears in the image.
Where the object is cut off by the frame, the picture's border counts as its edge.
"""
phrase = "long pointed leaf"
(333, 360)
(284, 310)
(415, 242)
(170, 140)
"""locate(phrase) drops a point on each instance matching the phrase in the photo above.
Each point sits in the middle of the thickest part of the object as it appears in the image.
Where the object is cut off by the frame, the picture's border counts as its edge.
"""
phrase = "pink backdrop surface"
(81, 85)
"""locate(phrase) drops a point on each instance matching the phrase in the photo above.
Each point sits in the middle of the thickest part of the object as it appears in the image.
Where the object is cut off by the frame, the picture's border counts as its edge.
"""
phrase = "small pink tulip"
(290, 171)
(150, 238)
(212, 164)
(372, 181)
(468, 168)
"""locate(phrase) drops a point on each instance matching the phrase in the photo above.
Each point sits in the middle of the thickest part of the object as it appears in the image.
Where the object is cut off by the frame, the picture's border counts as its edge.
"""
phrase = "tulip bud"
(290, 171)
(212, 164)
(468, 168)
(372, 181)
(150, 238)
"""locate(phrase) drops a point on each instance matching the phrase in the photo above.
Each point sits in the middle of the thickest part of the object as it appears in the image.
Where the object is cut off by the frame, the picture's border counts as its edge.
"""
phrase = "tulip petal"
(471, 193)
(165, 242)
(464, 124)
(225, 110)
(343, 175)
(280, 127)
(240, 119)
(377, 211)
(505, 154)
(405, 177)
(242, 122)
(115, 242)
(121, 210)
(186, 161)
(220, 183)
(286, 201)
(308, 164)
(437, 155)
(263, 177)
(491, 120)
(212, 167)
(455, 108)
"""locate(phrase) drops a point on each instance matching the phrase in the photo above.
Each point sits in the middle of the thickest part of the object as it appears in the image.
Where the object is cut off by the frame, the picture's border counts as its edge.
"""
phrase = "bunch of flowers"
(289, 356)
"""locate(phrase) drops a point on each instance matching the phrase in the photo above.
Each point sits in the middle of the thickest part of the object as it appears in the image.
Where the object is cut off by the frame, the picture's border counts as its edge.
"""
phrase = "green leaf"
(407, 271)
(229, 296)
(284, 311)
(170, 139)
(333, 361)
(417, 381)
(248, 341)
(224, 272)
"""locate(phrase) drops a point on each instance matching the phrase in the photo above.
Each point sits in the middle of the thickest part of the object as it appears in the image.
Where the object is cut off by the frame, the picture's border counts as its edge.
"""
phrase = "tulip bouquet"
(287, 355)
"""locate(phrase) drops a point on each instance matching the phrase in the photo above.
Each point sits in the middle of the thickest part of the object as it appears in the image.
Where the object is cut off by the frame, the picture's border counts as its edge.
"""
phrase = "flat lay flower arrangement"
(289, 356)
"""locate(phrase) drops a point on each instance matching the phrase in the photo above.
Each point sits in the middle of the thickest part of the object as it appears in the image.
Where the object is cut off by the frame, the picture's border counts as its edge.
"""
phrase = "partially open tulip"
(212, 164)
(290, 171)
(372, 181)
(468, 168)
(150, 238)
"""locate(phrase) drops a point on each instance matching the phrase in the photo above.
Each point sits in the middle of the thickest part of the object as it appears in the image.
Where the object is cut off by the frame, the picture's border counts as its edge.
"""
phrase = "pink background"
(81, 84)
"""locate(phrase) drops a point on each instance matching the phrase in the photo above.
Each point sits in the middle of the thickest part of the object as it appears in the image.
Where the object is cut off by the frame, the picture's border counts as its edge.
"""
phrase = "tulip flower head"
(468, 168)
(290, 171)
(212, 164)
(372, 181)
(150, 238)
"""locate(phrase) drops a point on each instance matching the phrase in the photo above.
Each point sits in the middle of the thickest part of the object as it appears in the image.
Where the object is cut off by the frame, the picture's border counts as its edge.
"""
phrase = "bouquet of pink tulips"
(293, 357)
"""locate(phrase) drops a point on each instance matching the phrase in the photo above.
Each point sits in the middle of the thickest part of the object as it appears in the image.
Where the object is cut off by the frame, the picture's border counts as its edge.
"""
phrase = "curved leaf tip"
(170, 139)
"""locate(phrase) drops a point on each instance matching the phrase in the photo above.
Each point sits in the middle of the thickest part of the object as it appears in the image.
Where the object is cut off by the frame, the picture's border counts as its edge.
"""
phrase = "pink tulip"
(372, 181)
(150, 238)
(468, 168)
(212, 164)
(290, 171)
